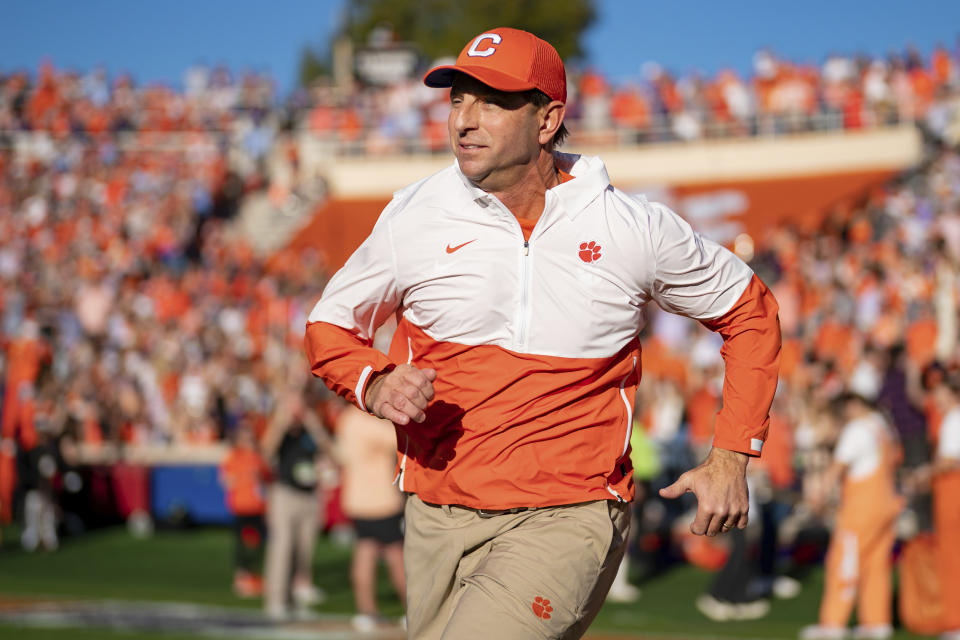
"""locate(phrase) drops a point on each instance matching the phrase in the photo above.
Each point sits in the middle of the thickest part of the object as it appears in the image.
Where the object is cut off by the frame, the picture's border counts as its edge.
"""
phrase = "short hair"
(847, 398)
(952, 381)
(539, 99)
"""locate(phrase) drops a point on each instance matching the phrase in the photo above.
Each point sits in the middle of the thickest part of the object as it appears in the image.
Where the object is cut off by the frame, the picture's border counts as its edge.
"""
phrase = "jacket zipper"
(524, 297)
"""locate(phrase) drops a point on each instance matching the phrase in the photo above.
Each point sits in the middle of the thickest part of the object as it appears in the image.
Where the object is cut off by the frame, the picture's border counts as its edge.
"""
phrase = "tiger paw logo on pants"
(541, 608)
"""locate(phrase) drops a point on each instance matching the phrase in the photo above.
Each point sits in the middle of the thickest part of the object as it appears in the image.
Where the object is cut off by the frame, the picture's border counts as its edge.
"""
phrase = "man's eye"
(501, 102)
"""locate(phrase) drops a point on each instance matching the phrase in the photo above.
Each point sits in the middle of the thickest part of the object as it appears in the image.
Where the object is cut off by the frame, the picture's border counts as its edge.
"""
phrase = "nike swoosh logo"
(459, 246)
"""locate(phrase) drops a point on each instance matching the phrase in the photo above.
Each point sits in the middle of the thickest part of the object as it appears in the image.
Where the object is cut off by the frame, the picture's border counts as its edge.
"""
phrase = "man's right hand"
(401, 395)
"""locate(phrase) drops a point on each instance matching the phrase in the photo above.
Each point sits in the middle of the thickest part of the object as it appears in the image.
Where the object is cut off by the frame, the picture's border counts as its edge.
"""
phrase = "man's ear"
(551, 117)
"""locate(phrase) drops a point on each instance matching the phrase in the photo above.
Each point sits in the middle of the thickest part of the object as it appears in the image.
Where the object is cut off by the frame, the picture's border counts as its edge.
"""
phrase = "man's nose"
(465, 117)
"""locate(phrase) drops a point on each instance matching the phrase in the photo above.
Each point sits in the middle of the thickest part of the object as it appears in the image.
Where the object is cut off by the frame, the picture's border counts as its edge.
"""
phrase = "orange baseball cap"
(509, 60)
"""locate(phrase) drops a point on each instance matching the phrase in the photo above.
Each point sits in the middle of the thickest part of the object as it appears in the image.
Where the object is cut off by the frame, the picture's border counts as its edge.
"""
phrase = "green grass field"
(194, 567)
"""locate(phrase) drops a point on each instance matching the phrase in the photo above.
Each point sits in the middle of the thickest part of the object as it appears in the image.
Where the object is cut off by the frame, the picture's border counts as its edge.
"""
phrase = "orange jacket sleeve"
(343, 360)
(751, 353)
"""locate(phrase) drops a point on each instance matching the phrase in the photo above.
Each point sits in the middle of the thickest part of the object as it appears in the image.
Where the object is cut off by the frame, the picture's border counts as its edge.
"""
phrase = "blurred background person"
(858, 564)
(244, 475)
(732, 595)
(26, 353)
(366, 449)
(646, 466)
(39, 469)
(901, 396)
(943, 476)
(292, 443)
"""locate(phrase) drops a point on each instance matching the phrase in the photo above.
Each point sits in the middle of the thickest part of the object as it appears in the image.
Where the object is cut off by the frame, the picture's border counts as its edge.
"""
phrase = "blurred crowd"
(778, 96)
(868, 305)
(869, 314)
(845, 92)
(133, 312)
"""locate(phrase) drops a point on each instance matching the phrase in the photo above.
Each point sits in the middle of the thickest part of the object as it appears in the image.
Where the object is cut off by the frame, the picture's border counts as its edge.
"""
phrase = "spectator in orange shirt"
(244, 474)
(629, 110)
(25, 356)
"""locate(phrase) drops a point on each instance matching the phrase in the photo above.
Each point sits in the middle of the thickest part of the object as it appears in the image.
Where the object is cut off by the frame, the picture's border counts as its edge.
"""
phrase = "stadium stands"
(135, 314)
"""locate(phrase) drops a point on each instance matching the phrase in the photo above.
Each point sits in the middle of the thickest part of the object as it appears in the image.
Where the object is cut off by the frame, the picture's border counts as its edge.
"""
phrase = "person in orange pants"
(858, 565)
(945, 483)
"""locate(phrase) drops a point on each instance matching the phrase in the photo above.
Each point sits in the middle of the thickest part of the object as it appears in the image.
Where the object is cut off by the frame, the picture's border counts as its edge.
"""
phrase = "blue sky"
(158, 41)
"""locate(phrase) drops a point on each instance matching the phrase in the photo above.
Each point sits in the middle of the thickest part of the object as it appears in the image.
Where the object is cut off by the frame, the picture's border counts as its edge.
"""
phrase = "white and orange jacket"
(535, 342)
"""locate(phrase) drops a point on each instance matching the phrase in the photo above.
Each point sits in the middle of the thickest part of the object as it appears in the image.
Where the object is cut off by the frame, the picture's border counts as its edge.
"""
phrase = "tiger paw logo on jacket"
(589, 251)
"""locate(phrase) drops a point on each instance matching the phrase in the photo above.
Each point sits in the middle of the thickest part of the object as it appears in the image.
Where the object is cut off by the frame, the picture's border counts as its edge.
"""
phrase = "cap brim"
(443, 76)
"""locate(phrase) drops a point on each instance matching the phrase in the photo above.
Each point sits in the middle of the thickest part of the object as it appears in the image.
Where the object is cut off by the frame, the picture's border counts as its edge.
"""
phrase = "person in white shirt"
(858, 566)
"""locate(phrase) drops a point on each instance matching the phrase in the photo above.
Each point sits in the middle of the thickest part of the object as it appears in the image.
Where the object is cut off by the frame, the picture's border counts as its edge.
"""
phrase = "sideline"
(170, 617)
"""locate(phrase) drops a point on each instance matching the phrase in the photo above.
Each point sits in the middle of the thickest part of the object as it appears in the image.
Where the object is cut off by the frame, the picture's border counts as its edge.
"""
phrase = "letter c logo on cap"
(489, 51)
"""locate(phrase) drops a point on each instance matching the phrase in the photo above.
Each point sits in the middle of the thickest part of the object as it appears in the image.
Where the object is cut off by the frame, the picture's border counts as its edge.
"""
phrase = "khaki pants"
(542, 573)
(292, 521)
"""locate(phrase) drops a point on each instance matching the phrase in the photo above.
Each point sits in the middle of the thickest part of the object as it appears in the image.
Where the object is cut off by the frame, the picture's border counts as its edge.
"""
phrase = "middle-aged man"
(518, 276)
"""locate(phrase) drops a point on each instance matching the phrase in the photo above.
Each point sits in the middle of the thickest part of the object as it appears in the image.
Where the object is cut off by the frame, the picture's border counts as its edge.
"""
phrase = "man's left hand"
(720, 485)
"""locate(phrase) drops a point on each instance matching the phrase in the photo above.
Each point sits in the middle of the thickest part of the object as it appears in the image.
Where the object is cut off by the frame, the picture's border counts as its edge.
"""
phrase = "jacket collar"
(591, 180)
(590, 175)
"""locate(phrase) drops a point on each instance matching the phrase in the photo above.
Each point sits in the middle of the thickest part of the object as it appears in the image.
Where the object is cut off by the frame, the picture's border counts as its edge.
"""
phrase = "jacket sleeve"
(700, 279)
(356, 301)
(751, 354)
(342, 360)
